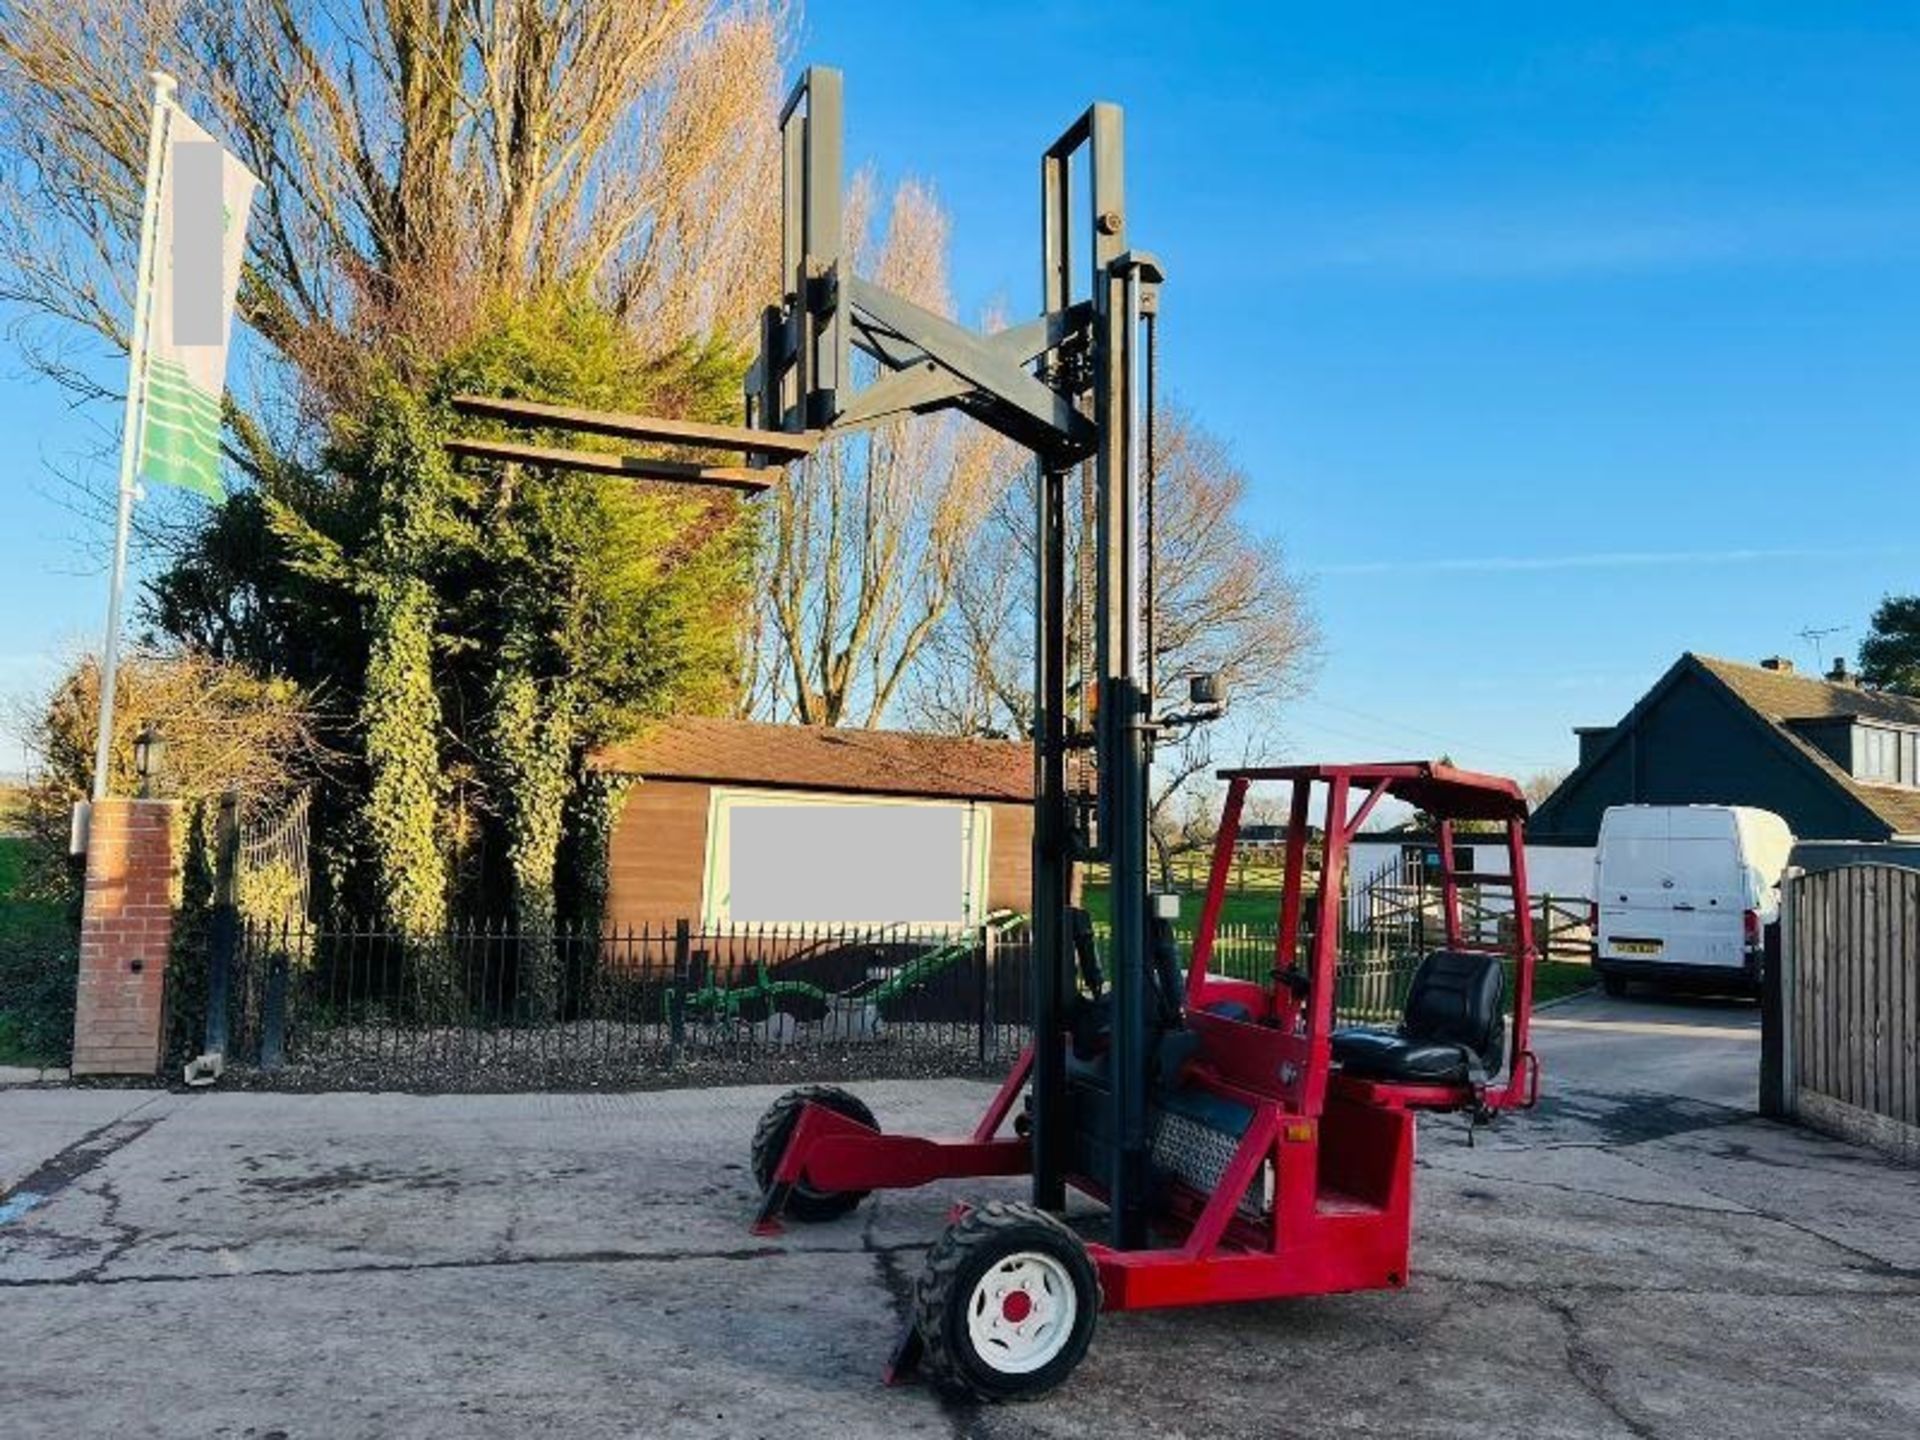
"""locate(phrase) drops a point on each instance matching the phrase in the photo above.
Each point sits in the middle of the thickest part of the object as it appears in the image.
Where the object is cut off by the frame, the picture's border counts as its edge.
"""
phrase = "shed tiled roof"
(1782, 696)
(818, 757)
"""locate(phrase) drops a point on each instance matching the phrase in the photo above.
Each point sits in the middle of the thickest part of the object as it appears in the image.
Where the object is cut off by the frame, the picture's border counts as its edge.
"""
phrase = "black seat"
(1453, 1030)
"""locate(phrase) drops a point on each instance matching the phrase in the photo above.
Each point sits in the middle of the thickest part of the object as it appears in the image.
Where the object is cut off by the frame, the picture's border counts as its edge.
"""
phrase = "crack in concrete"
(1870, 1263)
(898, 1283)
(401, 1267)
(1604, 1289)
(82, 1157)
(1733, 1206)
(961, 1418)
(125, 1236)
(1874, 1264)
(1736, 1211)
(1590, 1372)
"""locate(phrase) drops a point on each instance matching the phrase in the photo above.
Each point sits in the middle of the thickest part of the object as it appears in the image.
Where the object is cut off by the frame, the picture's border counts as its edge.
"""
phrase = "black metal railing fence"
(486, 1006)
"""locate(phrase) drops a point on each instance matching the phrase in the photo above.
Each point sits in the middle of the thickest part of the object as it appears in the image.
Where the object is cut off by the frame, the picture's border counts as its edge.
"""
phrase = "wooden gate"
(1849, 1004)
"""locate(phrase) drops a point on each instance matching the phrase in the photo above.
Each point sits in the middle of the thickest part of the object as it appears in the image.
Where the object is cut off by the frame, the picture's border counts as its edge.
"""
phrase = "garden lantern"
(149, 757)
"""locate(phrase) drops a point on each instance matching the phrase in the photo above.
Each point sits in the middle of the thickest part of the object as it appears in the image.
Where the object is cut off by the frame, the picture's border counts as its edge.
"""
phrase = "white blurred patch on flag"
(200, 245)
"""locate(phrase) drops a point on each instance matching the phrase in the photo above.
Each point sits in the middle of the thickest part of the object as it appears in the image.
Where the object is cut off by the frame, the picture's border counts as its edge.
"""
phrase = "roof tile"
(1782, 696)
(819, 757)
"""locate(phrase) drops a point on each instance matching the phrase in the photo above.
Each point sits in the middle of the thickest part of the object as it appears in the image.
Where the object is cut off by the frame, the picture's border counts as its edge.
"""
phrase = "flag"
(200, 241)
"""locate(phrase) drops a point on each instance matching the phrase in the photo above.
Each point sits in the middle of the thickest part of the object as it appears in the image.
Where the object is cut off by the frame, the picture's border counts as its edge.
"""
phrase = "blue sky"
(1556, 339)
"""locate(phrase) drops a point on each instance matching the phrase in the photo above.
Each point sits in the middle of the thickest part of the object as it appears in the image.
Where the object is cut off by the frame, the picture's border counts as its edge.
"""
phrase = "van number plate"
(1636, 947)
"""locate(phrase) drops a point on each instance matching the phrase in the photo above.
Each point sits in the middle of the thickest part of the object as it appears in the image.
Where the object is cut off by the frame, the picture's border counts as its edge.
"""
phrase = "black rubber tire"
(770, 1142)
(1614, 985)
(970, 1247)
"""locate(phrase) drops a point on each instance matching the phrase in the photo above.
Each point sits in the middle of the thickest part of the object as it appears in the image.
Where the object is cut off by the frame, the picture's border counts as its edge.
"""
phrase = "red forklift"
(1278, 1147)
(1235, 1143)
(1240, 1145)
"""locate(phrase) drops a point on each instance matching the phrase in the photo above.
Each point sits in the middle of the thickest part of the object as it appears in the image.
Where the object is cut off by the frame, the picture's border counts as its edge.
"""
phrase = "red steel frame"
(1337, 1151)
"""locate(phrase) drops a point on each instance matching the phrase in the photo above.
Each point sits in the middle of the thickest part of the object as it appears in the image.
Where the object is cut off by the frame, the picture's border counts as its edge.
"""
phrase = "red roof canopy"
(1441, 790)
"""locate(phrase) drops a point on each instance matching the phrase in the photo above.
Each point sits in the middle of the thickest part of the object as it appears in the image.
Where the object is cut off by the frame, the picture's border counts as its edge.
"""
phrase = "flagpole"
(163, 86)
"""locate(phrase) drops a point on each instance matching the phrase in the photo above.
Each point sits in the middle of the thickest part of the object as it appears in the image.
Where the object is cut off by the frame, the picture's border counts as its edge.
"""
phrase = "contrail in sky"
(1597, 560)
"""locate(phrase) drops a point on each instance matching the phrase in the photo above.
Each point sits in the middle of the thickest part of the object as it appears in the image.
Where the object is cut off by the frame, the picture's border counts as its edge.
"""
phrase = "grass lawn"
(1258, 909)
(1253, 908)
(1556, 979)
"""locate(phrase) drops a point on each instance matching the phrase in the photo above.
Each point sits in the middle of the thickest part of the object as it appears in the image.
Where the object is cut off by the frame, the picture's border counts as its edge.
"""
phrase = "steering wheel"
(1298, 981)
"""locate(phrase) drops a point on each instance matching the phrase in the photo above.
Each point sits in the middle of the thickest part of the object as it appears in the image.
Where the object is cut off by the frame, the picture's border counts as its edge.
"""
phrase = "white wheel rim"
(1021, 1313)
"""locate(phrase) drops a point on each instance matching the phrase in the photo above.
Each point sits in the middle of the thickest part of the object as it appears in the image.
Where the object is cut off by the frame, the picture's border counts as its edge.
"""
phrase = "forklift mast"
(1074, 387)
(1280, 1150)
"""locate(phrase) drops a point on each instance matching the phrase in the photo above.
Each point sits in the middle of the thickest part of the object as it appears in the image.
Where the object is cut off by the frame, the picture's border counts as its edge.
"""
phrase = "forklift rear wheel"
(1006, 1305)
(770, 1143)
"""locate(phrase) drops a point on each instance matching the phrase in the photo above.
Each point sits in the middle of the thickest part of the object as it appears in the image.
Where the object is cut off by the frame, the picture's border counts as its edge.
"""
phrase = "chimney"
(1778, 663)
(1592, 737)
(1839, 674)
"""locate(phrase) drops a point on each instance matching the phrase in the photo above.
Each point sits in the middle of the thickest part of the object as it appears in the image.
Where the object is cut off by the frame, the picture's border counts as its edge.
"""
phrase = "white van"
(1685, 892)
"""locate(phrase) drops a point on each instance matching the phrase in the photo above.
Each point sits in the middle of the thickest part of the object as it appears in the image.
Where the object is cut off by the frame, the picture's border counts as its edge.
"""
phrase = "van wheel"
(1614, 985)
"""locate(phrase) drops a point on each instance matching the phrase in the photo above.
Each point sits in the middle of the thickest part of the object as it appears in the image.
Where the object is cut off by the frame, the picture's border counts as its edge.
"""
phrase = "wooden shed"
(733, 822)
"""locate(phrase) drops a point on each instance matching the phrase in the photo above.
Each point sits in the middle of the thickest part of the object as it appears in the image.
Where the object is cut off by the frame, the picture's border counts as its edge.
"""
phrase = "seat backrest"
(1458, 998)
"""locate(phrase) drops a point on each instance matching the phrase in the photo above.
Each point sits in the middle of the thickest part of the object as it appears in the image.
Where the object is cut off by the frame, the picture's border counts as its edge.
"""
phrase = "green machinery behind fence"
(1373, 978)
(852, 1013)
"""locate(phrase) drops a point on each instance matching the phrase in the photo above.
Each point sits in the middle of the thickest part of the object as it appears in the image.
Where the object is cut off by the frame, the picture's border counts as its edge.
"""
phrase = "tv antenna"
(1816, 638)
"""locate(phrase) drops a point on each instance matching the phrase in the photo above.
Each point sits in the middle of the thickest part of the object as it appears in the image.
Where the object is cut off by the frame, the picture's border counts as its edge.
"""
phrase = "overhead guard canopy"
(1441, 790)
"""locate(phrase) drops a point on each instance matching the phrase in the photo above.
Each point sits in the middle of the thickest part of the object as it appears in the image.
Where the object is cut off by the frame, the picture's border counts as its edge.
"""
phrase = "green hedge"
(39, 958)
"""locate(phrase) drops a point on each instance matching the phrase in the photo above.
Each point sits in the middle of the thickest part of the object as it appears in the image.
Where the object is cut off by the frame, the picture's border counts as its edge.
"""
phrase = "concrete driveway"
(1638, 1258)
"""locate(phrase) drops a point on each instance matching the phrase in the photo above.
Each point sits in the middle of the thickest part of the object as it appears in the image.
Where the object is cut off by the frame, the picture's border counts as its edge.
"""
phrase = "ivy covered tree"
(595, 604)
(512, 619)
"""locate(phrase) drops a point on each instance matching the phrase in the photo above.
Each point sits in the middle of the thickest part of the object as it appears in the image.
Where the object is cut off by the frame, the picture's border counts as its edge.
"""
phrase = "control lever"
(1086, 954)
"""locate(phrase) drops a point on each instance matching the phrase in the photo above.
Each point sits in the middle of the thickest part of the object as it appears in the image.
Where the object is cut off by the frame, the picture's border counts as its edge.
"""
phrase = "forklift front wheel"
(775, 1129)
(1006, 1305)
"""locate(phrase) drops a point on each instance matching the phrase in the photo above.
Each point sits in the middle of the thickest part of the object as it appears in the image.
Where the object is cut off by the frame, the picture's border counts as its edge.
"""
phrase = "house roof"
(1787, 695)
(819, 757)
(1775, 699)
(1783, 696)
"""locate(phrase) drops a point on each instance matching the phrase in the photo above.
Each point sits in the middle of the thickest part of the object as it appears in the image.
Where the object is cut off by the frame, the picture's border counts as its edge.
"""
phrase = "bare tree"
(419, 159)
(225, 727)
(1226, 604)
(868, 542)
(1542, 783)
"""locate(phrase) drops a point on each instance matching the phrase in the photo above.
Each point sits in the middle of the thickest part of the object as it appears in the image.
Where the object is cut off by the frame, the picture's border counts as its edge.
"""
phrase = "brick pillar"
(120, 1017)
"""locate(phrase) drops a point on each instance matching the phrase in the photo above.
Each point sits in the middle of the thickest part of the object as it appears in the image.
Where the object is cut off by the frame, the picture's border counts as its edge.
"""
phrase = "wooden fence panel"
(1853, 1003)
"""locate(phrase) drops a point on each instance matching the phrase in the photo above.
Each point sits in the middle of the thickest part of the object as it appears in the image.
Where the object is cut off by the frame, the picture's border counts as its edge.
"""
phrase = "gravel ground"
(598, 1055)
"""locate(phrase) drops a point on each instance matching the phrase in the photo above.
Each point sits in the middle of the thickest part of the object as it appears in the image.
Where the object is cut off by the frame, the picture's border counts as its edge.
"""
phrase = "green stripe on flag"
(180, 443)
